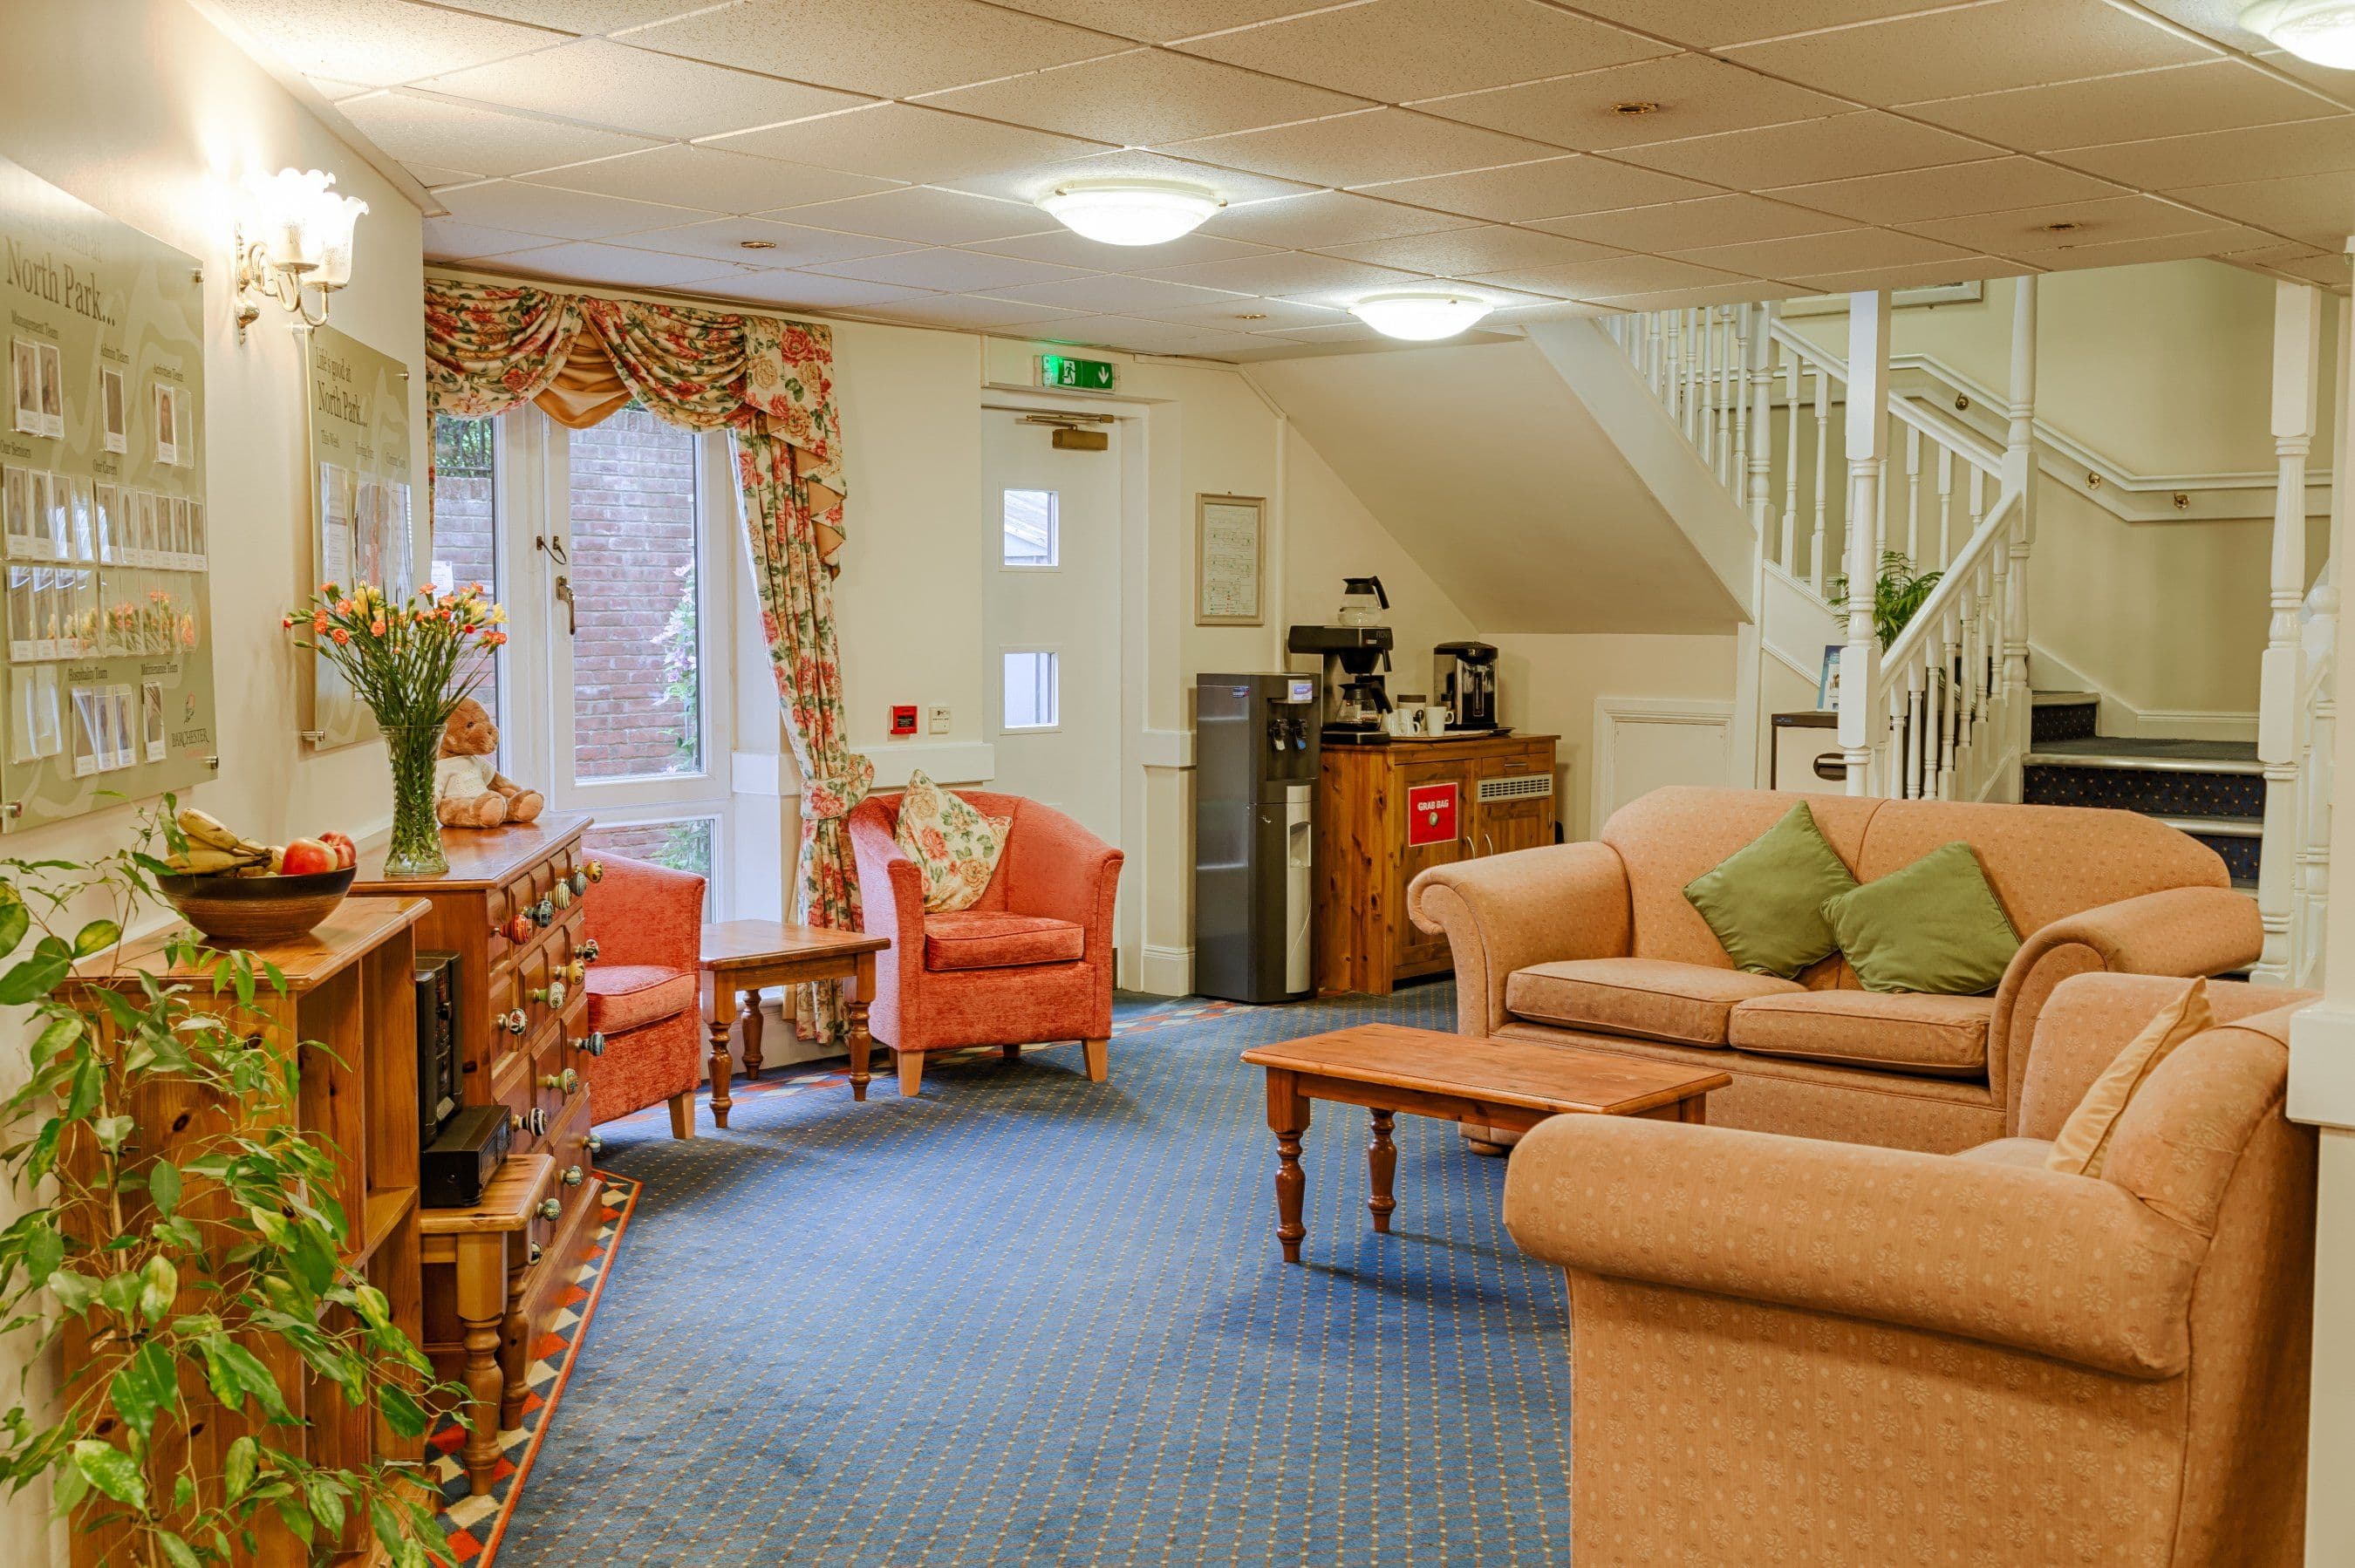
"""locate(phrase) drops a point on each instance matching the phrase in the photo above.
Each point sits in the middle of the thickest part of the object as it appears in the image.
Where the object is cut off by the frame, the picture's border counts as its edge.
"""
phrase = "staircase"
(2213, 790)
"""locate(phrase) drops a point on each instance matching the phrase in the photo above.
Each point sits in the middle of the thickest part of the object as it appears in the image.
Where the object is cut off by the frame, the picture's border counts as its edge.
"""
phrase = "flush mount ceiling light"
(1130, 212)
(1420, 315)
(2322, 31)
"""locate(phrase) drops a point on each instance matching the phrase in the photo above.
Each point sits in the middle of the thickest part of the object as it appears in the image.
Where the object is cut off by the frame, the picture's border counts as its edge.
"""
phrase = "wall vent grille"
(1515, 786)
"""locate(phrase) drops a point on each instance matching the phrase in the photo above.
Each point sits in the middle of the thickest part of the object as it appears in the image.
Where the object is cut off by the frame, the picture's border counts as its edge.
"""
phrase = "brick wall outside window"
(635, 710)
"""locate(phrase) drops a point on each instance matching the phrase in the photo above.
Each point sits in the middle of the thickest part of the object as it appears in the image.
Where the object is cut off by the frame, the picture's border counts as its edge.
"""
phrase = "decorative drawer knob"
(590, 951)
(553, 993)
(593, 1043)
(543, 913)
(572, 1175)
(532, 1255)
(579, 880)
(562, 894)
(549, 1209)
(594, 1143)
(576, 972)
(534, 1121)
(596, 869)
(514, 1022)
(516, 930)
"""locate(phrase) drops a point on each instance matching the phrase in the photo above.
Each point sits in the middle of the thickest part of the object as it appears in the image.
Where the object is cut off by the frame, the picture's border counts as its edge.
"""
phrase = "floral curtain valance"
(769, 383)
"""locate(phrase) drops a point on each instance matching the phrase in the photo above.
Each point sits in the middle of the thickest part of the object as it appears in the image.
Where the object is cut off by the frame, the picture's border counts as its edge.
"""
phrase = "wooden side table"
(744, 955)
(486, 1244)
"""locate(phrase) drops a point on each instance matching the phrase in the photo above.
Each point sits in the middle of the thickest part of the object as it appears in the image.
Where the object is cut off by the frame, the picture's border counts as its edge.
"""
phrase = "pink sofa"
(1797, 1351)
(645, 991)
(1031, 962)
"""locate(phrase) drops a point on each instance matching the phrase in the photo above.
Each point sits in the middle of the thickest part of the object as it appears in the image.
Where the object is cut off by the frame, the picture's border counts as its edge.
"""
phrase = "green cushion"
(1765, 901)
(1933, 927)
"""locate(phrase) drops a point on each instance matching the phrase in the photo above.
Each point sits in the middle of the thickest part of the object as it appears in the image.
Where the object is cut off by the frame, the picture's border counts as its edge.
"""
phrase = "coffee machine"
(1464, 676)
(1355, 697)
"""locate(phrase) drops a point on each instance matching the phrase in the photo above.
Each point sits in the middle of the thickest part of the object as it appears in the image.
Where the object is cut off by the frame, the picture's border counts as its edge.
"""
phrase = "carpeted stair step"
(2236, 839)
(2064, 716)
(2213, 790)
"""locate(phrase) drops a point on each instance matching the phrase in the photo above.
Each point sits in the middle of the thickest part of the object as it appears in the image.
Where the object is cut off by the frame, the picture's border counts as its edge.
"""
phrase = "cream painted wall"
(140, 108)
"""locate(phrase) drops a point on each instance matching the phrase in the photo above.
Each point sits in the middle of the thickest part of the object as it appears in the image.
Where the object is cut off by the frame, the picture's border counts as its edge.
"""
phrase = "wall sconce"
(301, 237)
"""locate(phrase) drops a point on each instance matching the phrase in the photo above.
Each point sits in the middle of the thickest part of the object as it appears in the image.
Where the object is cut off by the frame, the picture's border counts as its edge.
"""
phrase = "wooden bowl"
(257, 909)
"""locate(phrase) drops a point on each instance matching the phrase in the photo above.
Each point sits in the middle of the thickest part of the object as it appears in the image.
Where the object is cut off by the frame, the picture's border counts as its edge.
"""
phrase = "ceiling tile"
(2339, 84)
(1919, 274)
(969, 311)
(1707, 23)
(1549, 187)
(1395, 50)
(1292, 273)
(2319, 267)
(1565, 310)
(1065, 248)
(1164, 337)
(2179, 99)
(1243, 313)
(707, 178)
(906, 141)
(2316, 209)
(1991, 185)
(448, 239)
(636, 89)
(610, 264)
(1462, 252)
(945, 268)
(1327, 218)
(1692, 95)
(1145, 96)
(923, 214)
(818, 292)
(777, 245)
(2183, 247)
(1678, 225)
(418, 130)
(1624, 275)
(2166, 163)
(587, 15)
(1371, 145)
(893, 50)
(1848, 250)
(1840, 148)
(2096, 222)
(1681, 299)
(1074, 328)
(330, 89)
(1111, 295)
(1350, 331)
(1159, 21)
(380, 44)
(564, 214)
(1974, 48)
(1028, 182)
(433, 176)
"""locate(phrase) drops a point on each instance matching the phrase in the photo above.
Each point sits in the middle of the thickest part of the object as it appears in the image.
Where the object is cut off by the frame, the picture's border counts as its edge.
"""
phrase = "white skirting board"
(1167, 971)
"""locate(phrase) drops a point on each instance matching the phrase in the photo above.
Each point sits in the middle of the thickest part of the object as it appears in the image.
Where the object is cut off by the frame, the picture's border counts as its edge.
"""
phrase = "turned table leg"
(723, 1001)
(751, 1019)
(1287, 1117)
(862, 1044)
(1381, 1164)
(482, 1281)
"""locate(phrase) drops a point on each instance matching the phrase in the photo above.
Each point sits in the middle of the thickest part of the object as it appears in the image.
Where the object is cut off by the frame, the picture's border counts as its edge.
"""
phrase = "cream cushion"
(1653, 998)
(2083, 1144)
(955, 848)
(1899, 1031)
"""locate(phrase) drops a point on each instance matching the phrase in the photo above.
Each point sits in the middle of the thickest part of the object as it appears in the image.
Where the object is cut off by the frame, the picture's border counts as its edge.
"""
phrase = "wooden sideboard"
(507, 909)
(1386, 812)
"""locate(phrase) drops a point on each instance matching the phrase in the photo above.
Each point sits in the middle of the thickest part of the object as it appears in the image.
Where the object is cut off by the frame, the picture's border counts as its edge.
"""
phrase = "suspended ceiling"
(877, 158)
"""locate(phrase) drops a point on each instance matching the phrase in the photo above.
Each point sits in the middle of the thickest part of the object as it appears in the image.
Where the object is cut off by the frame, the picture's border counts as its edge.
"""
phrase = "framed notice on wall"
(361, 496)
(105, 544)
(1230, 553)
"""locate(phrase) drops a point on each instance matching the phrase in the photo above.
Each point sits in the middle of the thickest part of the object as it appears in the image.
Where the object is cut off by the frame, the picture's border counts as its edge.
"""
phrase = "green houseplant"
(1898, 594)
(164, 1273)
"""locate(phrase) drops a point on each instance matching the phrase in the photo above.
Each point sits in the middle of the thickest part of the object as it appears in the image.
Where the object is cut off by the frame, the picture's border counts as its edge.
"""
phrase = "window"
(1032, 680)
(466, 521)
(683, 844)
(637, 691)
(1030, 528)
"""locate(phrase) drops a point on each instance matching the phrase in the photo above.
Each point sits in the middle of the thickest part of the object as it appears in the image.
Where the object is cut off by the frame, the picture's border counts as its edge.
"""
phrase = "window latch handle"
(572, 614)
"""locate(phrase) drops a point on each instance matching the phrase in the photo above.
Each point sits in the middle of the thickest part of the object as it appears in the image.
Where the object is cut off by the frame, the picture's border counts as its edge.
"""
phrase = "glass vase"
(416, 847)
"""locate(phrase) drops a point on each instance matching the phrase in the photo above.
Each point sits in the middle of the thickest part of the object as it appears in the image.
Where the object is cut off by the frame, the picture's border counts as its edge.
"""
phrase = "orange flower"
(341, 635)
(377, 626)
(285, 622)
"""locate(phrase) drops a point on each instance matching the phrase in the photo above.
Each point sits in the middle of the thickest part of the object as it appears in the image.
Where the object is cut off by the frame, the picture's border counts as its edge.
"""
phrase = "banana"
(203, 860)
(204, 829)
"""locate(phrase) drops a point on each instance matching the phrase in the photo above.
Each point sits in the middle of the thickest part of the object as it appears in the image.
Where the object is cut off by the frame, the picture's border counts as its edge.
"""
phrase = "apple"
(305, 857)
(347, 853)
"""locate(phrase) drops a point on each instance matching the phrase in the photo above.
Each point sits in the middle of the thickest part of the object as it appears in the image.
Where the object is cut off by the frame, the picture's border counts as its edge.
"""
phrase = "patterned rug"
(1026, 1319)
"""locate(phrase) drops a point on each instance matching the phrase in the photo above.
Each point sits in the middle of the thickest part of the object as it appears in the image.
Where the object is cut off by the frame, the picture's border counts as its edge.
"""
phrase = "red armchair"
(1031, 962)
(645, 991)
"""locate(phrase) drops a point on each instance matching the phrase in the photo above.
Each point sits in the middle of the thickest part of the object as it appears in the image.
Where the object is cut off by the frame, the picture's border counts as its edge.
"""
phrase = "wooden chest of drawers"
(509, 908)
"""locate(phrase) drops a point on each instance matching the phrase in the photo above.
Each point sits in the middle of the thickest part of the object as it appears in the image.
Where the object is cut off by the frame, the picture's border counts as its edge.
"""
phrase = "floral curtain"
(769, 383)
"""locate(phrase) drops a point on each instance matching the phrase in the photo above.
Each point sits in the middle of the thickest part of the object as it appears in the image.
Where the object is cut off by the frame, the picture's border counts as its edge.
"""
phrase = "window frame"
(1054, 561)
(1054, 653)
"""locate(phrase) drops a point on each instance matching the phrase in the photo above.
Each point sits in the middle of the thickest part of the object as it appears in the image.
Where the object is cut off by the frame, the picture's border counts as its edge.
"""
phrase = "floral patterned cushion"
(955, 847)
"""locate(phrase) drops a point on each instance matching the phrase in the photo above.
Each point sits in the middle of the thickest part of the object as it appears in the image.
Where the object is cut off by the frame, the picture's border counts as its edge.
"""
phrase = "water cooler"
(1255, 749)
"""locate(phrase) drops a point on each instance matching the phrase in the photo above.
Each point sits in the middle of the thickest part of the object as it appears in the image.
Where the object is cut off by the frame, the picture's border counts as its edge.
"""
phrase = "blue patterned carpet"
(1027, 1319)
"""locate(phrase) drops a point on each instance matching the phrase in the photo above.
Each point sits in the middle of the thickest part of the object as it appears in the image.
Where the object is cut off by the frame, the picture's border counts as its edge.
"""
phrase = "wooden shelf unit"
(1365, 855)
(494, 875)
(350, 1003)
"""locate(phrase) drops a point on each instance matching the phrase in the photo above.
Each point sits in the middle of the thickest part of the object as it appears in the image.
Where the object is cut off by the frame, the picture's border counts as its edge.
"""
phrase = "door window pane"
(637, 695)
(1031, 678)
(466, 520)
(1029, 528)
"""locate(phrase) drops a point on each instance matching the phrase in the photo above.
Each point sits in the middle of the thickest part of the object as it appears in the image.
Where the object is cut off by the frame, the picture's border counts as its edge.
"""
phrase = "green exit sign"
(1087, 375)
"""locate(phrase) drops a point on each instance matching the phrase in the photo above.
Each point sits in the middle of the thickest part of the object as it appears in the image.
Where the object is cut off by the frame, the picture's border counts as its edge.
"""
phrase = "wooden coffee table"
(743, 956)
(1509, 1083)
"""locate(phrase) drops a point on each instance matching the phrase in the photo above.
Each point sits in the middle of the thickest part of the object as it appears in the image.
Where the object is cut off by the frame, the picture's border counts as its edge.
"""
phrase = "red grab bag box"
(1430, 815)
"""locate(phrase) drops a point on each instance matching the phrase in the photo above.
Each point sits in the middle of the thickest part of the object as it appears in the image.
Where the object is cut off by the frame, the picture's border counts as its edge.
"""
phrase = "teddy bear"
(468, 791)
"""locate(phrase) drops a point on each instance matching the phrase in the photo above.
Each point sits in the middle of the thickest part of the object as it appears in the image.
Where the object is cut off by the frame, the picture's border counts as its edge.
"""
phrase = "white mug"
(1402, 721)
(1434, 719)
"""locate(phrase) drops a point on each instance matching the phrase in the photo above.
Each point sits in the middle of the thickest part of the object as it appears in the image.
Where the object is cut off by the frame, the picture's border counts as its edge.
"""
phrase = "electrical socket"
(939, 720)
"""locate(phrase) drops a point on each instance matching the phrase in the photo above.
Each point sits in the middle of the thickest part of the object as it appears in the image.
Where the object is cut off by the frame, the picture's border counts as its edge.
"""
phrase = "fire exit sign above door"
(1086, 375)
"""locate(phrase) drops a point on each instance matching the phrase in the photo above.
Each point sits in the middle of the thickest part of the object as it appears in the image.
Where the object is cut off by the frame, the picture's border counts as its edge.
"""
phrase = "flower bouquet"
(411, 664)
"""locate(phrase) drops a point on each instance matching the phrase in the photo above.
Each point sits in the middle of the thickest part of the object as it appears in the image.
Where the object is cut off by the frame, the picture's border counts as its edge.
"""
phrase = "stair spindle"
(1823, 430)
(1914, 496)
(1791, 464)
(1945, 505)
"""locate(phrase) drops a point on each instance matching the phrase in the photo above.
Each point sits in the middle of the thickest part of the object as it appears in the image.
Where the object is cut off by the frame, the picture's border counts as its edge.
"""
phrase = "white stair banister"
(2297, 352)
(2019, 483)
(1861, 711)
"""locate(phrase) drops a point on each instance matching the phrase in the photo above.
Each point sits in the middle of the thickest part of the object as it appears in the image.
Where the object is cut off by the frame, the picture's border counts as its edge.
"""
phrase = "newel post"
(1863, 715)
(2019, 479)
(2298, 352)
(1759, 455)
